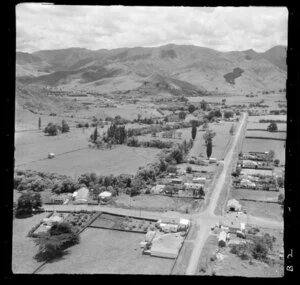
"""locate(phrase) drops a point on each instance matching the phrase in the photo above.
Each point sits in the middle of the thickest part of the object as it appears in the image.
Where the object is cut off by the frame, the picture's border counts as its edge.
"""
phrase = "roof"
(233, 203)
(105, 194)
(82, 193)
(222, 236)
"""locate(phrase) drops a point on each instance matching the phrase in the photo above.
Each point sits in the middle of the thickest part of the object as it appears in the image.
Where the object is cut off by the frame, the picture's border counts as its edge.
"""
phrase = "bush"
(52, 130)
(52, 243)
(280, 182)
(276, 162)
(272, 127)
(24, 206)
(189, 169)
(65, 127)
(171, 169)
(228, 114)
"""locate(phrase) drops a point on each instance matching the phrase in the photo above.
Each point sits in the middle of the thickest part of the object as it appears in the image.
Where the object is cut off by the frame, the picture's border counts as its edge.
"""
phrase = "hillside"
(181, 68)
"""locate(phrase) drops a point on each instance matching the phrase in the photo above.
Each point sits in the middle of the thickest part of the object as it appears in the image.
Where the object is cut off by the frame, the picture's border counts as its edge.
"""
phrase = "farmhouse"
(157, 189)
(193, 186)
(200, 180)
(104, 197)
(82, 196)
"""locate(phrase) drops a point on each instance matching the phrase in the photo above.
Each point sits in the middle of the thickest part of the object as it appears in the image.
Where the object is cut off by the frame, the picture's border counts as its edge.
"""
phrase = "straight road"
(207, 218)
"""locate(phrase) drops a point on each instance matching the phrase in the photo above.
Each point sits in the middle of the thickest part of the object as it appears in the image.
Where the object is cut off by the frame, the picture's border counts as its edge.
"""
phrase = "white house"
(82, 196)
(200, 180)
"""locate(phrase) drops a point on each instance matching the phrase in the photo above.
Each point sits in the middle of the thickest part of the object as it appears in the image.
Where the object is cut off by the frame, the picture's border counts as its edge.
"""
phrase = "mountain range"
(177, 69)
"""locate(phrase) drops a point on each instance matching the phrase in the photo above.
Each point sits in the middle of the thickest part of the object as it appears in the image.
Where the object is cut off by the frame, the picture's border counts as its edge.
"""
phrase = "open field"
(108, 252)
(254, 195)
(266, 134)
(119, 160)
(157, 203)
(263, 210)
(262, 145)
(23, 247)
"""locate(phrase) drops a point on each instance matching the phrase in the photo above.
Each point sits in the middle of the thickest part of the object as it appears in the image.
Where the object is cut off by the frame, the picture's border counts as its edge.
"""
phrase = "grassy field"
(157, 203)
(262, 145)
(254, 195)
(108, 252)
(263, 210)
(119, 160)
(23, 247)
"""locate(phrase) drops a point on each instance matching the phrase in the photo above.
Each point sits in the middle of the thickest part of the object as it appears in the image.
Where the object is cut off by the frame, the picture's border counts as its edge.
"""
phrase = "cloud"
(96, 27)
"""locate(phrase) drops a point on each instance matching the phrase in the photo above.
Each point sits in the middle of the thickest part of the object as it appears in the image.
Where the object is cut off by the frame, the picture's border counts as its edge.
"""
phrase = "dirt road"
(207, 219)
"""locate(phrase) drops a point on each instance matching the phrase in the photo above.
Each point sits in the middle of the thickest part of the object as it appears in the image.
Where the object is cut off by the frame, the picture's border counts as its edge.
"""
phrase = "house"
(158, 189)
(193, 186)
(52, 220)
(199, 180)
(249, 163)
(104, 196)
(167, 245)
(212, 160)
(222, 239)
(234, 206)
(176, 180)
(82, 196)
(173, 118)
(184, 224)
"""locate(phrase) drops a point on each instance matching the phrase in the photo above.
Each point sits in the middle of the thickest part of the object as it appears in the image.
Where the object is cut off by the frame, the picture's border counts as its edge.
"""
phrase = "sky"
(43, 27)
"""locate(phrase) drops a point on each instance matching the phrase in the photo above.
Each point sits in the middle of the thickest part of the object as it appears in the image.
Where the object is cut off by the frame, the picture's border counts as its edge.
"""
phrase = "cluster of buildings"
(167, 239)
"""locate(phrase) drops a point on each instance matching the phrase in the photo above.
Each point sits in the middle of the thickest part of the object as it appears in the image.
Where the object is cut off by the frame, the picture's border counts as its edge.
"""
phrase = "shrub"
(272, 127)
(65, 127)
(171, 169)
(52, 130)
(189, 169)
(52, 243)
(280, 182)
(24, 206)
(276, 162)
(228, 114)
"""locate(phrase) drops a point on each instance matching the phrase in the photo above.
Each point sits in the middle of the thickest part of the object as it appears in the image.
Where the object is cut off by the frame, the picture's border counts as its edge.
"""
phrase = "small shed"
(82, 196)
(184, 223)
(222, 239)
(158, 188)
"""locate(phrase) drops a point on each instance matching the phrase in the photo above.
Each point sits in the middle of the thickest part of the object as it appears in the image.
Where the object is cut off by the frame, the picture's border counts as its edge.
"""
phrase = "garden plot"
(261, 145)
(80, 220)
(104, 251)
(116, 222)
(266, 134)
(118, 160)
(23, 247)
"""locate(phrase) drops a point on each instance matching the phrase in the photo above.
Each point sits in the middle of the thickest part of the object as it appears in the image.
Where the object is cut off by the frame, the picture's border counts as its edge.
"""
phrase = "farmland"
(254, 195)
(266, 134)
(116, 161)
(108, 252)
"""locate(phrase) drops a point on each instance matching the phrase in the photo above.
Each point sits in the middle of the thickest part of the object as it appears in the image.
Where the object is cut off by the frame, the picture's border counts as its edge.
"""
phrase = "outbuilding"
(222, 239)
(104, 196)
(51, 155)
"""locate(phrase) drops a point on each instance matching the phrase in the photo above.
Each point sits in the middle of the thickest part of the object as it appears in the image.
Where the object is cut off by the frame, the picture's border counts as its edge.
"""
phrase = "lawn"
(262, 145)
(157, 203)
(23, 247)
(108, 252)
(118, 160)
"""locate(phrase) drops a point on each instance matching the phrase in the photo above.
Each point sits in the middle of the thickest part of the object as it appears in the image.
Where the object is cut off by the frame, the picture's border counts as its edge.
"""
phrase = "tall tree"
(64, 127)
(209, 148)
(194, 131)
(231, 131)
(192, 108)
(40, 123)
(95, 136)
(203, 105)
